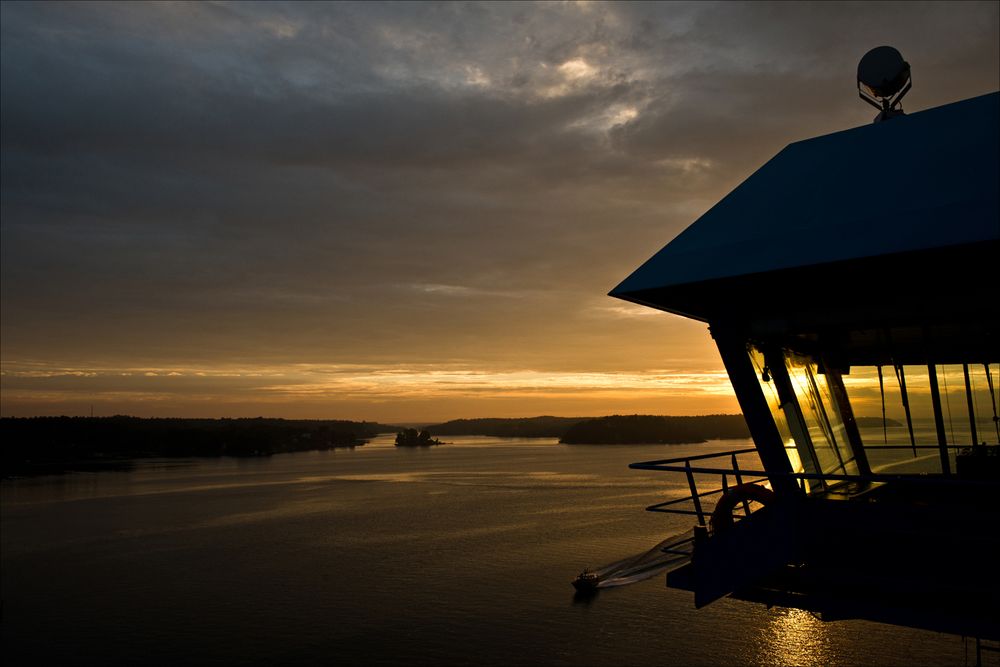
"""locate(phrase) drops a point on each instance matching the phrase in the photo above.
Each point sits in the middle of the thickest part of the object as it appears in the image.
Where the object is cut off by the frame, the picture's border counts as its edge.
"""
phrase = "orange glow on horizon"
(373, 392)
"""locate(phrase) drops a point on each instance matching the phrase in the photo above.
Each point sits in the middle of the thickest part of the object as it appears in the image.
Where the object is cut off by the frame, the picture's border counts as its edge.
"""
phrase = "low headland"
(521, 427)
(653, 429)
(41, 445)
(610, 430)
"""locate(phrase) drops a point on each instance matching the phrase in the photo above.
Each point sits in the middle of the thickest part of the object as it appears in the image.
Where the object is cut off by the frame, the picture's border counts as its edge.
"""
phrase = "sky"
(400, 212)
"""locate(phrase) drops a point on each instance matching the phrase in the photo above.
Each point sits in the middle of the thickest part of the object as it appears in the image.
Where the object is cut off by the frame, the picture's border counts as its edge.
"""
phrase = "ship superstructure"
(852, 287)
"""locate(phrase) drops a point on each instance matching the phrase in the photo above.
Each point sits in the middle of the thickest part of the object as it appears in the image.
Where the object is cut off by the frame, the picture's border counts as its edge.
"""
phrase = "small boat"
(586, 581)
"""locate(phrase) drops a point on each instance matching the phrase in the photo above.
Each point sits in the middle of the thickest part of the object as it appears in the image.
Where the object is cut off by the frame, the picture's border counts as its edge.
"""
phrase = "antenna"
(883, 80)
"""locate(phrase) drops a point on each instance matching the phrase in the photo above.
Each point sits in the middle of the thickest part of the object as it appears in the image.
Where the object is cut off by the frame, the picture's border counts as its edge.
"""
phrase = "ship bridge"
(851, 286)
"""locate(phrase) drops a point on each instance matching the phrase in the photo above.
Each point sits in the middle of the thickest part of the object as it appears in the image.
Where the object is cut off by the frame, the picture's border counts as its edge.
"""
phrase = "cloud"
(319, 389)
(193, 181)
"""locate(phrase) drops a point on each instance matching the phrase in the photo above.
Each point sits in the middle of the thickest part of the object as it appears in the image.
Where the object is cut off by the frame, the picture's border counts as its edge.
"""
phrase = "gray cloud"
(256, 181)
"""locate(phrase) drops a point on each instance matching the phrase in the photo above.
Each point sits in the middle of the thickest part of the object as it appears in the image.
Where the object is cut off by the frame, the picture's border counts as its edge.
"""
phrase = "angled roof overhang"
(890, 224)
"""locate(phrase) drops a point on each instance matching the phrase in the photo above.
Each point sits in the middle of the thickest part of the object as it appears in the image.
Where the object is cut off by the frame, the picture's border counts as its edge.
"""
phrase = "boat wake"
(667, 555)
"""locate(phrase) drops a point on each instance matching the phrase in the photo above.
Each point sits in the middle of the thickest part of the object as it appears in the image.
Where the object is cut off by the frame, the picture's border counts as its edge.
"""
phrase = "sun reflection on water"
(793, 637)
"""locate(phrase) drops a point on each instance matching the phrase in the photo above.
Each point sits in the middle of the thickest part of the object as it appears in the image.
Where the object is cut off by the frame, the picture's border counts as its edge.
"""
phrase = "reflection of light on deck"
(793, 637)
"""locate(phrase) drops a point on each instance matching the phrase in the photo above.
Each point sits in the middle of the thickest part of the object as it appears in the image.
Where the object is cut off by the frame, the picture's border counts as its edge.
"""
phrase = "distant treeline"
(44, 444)
(525, 427)
(55, 444)
(638, 429)
(616, 429)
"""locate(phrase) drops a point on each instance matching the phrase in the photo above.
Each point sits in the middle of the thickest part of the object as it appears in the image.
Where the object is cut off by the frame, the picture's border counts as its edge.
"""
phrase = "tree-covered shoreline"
(42, 445)
(653, 429)
(38, 445)
(509, 427)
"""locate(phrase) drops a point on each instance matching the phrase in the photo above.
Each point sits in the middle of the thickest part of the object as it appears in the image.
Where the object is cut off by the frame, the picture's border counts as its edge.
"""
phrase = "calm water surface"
(455, 554)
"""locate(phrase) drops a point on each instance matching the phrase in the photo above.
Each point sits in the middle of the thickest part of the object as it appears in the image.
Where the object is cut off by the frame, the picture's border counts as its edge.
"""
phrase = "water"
(455, 554)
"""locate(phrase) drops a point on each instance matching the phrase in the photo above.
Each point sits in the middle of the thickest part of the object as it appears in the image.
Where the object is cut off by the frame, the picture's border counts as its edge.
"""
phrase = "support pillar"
(765, 433)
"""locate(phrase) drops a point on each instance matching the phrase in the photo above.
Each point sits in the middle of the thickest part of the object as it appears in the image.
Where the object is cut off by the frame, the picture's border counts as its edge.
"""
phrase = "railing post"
(739, 482)
(694, 493)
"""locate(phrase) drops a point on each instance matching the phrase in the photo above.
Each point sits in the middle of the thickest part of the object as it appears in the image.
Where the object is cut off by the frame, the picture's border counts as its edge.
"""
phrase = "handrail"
(704, 494)
(661, 507)
(750, 450)
(935, 478)
(867, 447)
(683, 465)
(695, 497)
(701, 457)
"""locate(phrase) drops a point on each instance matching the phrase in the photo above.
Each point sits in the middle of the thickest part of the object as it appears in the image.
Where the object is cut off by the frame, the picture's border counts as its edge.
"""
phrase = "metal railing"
(695, 498)
(741, 476)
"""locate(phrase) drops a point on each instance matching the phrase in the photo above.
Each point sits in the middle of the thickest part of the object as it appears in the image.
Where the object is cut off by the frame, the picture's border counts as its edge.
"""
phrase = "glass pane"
(798, 454)
(954, 406)
(924, 457)
(821, 415)
(983, 378)
(888, 444)
(797, 449)
(870, 402)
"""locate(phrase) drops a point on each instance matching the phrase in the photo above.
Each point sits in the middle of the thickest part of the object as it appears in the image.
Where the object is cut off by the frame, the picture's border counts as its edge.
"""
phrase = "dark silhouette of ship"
(851, 271)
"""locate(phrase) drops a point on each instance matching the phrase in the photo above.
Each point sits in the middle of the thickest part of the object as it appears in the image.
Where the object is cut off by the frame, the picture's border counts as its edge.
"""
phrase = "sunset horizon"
(393, 215)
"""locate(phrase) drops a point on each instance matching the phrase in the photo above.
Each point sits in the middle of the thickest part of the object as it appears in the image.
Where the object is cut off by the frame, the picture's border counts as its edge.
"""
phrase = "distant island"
(43, 445)
(872, 422)
(616, 429)
(39, 445)
(523, 427)
(642, 429)
(412, 438)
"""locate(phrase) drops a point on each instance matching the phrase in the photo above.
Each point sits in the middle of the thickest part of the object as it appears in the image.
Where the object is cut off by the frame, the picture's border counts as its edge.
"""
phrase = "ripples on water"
(455, 554)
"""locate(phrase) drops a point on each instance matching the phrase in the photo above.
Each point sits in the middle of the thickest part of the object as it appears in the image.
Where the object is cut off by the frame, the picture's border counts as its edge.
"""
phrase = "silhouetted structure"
(868, 253)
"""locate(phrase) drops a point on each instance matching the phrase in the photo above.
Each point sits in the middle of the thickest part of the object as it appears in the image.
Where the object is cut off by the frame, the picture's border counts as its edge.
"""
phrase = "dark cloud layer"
(407, 183)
